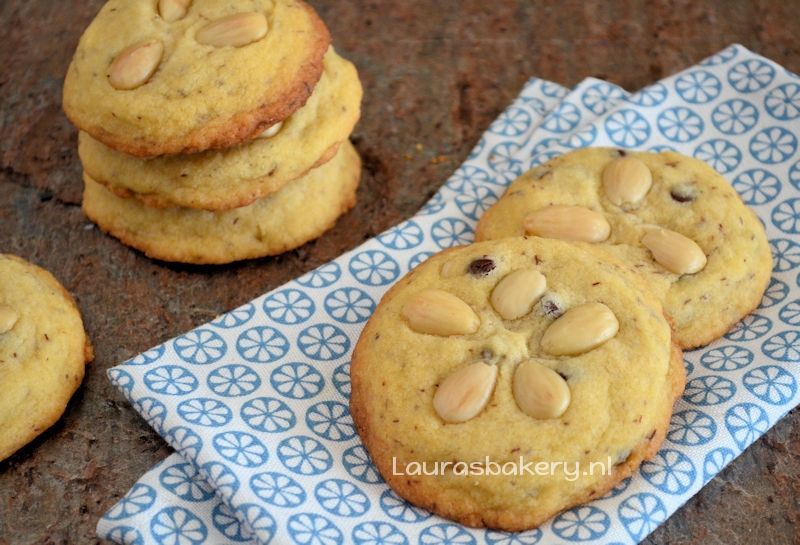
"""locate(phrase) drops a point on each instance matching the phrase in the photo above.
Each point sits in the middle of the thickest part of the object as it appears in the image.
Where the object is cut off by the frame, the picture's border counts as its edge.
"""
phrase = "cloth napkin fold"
(255, 402)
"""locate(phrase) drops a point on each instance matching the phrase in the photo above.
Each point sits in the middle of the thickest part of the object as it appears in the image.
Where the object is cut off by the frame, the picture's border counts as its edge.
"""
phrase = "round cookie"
(150, 77)
(707, 283)
(506, 352)
(219, 180)
(299, 212)
(43, 351)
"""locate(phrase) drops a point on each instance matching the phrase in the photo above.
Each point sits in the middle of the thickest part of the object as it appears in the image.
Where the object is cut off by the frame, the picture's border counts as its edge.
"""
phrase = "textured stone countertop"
(435, 74)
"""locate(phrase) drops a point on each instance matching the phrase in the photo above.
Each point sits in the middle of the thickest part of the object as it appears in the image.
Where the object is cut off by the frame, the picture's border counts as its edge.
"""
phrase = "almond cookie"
(219, 180)
(299, 212)
(43, 351)
(674, 218)
(506, 352)
(153, 77)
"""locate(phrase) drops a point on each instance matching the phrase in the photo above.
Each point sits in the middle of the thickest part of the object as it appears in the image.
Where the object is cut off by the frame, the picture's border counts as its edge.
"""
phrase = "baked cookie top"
(523, 347)
(152, 77)
(222, 179)
(674, 218)
(292, 216)
(43, 351)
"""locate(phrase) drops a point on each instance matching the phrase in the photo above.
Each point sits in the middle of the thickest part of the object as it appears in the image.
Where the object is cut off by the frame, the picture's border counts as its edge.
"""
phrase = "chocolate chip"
(551, 305)
(622, 152)
(551, 309)
(481, 266)
(683, 192)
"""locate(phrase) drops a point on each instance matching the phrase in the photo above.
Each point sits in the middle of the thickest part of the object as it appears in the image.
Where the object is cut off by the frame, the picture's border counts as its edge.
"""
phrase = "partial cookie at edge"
(37, 386)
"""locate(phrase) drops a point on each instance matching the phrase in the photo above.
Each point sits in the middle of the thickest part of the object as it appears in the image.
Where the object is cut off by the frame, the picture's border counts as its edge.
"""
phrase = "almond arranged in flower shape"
(8, 317)
(675, 252)
(134, 65)
(579, 330)
(465, 392)
(574, 223)
(539, 391)
(438, 312)
(172, 10)
(626, 181)
(515, 295)
(235, 30)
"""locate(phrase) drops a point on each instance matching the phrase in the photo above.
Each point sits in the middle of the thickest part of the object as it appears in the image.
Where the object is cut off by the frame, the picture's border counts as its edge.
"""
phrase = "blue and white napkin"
(255, 402)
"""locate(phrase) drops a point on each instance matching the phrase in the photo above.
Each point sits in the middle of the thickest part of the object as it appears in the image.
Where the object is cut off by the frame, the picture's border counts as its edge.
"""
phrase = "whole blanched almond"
(626, 181)
(515, 295)
(235, 30)
(675, 252)
(438, 312)
(465, 392)
(172, 10)
(271, 130)
(539, 391)
(134, 65)
(574, 223)
(8, 317)
(579, 330)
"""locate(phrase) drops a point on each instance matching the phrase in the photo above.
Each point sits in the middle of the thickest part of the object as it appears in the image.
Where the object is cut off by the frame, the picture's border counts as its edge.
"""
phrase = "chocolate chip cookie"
(153, 77)
(528, 353)
(673, 218)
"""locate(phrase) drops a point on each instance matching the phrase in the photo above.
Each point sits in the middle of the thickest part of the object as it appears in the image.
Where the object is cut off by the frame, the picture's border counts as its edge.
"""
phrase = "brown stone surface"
(435, 74)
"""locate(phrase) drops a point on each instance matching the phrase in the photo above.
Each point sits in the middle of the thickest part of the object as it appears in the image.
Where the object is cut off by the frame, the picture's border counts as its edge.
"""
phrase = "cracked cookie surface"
(685, 199)
(443, 324)
(219, 180)
(43, 351)
(286, 219)
(149, 83)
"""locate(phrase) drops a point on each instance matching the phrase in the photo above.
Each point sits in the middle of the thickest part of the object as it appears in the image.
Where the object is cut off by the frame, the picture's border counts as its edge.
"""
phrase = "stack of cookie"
(554, 341)
(213, 131)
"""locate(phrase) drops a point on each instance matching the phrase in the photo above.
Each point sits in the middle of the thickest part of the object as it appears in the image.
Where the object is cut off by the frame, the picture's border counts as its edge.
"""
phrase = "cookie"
(673, 217)
(43, 351)
(299, 212)
(219, 180)
(506, 352)
(153, 77)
